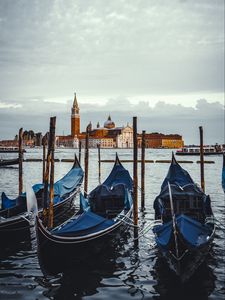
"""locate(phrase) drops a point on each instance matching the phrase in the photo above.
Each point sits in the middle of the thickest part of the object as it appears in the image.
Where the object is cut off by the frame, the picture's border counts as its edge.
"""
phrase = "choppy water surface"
(127, 270)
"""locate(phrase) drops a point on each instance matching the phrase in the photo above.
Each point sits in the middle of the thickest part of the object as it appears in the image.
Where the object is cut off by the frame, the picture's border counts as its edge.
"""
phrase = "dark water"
(126, 270)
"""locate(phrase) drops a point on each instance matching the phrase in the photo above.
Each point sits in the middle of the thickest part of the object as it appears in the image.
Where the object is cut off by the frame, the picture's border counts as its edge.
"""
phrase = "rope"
(127, 221)
(223, 227)
(143, 235)
(145, 229)
(212, 220)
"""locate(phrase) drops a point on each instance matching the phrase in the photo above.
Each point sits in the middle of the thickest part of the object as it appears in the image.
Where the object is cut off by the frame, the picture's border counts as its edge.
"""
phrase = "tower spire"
(75, 108)
(75, 104)
(75, 117)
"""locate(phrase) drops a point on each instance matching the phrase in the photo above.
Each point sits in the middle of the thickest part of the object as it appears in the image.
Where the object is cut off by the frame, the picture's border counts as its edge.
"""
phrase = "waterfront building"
(159, 140)
(109, 136)
(66, 141)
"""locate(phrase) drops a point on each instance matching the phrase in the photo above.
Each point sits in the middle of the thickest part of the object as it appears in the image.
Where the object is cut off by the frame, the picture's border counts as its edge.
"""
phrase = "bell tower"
(75, 118)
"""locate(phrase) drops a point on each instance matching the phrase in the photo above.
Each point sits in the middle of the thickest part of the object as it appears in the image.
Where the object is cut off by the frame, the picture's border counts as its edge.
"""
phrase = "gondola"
(8, 162)
(14, 217)
(223, 173)
(101, 218)
(184, 224)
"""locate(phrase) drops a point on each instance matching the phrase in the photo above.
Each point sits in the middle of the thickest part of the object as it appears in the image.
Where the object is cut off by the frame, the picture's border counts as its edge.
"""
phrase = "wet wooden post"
(44, 139)
(51, 208)
(135, 174)
(99, 163)
(86, 158)
(143, 171)
(79, 158)
(202, 159)
(20, 161)
(46, 179)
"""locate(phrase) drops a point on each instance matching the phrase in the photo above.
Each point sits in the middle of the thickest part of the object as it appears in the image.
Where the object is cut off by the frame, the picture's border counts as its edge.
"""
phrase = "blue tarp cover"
(8, 203)
(67, 184)
(182, 186)
(119, 175)
(114, 193)
(84, 224)
(192, 231)
(176, 175)
(62, 188)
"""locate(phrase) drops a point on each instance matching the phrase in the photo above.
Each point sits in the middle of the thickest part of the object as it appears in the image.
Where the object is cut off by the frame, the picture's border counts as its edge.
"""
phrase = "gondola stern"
(117, 160)
(173, 160)
(76, 163)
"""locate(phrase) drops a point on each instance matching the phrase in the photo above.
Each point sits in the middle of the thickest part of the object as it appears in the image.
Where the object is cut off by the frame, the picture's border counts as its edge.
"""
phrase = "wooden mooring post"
(86, 160)
(20, 161)
(135, 173)
(51, 208)
(202, 159)
(44, 141)
(143, 171)
(46, 177)
(79, 158)
(99, 163)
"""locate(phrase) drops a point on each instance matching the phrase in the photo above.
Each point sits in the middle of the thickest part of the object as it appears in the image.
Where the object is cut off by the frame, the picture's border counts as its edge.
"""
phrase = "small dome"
(109, 123)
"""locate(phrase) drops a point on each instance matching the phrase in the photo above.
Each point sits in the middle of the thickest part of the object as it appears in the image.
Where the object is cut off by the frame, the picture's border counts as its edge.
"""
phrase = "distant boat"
(10, 149)
(8, 162)
(223, 173)
(14, 218)
(184, 223)
(102, 217)
(207, 150)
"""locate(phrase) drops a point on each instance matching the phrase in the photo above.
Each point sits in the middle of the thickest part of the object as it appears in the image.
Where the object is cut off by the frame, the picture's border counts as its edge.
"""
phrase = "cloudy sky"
(160, 60)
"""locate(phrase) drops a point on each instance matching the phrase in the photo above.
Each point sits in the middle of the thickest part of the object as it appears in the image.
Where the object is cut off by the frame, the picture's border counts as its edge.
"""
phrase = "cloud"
(140, 47)
(116, 52)
(163, 117)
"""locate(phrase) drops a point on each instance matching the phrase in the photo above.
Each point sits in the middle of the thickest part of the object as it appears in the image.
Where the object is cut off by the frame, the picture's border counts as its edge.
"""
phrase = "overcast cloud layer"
(108, 50)
(163, 117)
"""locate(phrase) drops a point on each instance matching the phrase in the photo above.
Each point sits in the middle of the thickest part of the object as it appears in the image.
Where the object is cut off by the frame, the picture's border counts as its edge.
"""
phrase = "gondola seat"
(107, 202)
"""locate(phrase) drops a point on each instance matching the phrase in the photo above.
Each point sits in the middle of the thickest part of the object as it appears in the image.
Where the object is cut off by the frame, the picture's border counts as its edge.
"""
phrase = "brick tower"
(75, 118)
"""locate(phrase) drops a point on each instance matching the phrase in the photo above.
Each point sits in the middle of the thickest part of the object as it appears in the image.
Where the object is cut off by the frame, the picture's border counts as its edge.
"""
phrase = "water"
(126, 271)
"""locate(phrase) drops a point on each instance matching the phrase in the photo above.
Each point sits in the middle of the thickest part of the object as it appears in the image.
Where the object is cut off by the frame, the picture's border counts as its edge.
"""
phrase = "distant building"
(9, 143)
(108, 136)
(66, 141)
(30, 139)
(159, 140)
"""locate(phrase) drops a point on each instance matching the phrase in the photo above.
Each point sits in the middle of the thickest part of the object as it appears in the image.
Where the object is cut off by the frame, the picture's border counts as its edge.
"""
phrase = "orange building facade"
(159, 140)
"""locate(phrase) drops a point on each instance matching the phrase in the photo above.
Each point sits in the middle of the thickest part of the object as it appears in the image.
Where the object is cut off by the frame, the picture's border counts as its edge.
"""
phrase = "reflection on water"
(200, 285)
(125, 270)
(85, 278)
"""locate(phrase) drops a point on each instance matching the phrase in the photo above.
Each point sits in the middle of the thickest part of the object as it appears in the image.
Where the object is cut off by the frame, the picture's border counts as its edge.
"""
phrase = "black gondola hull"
(18, 228)
(14, 230)
(57, 254)
(188, 264)
(8, 162)
(187, 227)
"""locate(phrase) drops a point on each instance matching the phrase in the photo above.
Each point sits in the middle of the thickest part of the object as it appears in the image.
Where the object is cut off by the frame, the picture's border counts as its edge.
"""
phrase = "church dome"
(109, 123)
